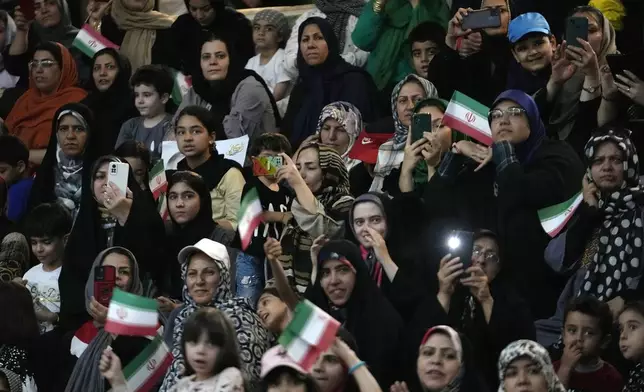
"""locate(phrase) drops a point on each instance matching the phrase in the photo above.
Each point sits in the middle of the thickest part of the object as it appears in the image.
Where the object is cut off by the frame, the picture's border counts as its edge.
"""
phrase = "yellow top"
(613, 10)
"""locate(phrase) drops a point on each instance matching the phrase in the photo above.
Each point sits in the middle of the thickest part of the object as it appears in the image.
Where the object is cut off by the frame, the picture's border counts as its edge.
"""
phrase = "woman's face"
(511, 123)
(313, 45)
(505, 16)
(607, 167)
(368, 215)
(72, 136)
(273, 312)
(193, 139)
(438, 362)
(337, 280)
(524, 375)
(135, 5)
(202, 278)
(105, 71)
(334, 135)
(215, 60)
(123, 269)
(287, 383)
(140, 169)
(202, 11)
(595, 31)
(183, 202)
(45, 71)
(47, 13)
(308, 164)
(410, 93)
(100, 183)
(329, 372)
(443, 132)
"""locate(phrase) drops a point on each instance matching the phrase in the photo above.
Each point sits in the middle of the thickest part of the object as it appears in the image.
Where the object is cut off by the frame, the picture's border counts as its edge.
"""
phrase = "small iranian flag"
(162, 207)
(130, 314)
(143, 372)
(249, 216)
(90, 41)
(158, 180)
(309, 334)
(469, 117)
(554, 219)
(182, 84)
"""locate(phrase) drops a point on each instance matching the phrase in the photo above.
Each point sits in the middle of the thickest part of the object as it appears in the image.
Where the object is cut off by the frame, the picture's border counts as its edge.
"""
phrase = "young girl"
(631, 343)
(210, 349)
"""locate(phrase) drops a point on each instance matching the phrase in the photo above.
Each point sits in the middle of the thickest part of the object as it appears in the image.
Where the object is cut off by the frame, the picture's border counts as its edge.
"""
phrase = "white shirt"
(272, 72)
(43, 286)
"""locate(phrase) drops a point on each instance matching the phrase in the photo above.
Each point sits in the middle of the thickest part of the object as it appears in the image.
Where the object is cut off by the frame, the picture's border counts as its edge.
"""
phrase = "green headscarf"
(421, 170)
(399, 20)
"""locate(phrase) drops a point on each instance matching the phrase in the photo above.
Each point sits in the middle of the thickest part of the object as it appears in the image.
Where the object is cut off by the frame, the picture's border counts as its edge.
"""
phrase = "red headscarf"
(31, 116)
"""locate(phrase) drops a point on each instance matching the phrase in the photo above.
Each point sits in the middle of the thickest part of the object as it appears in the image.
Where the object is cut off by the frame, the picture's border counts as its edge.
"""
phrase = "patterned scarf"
(635, 380)
(538, 355)
(15, 383)
(337, 13)
(351, 120)
(616, 263)
(68, 173)
(252, 337)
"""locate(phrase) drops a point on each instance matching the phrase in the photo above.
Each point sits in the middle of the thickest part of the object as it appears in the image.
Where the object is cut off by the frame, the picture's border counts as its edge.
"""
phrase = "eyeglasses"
(46, 64)
(489, 256)
(497, 114)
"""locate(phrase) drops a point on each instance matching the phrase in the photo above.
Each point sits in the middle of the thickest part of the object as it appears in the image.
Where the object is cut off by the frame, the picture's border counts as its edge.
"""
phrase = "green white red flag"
(131, 314)
(468, 116)
(158, 180)
(182, 84)
(553, 219)
(309, 334)
(90, 41)
(249, 216)
(145, 370)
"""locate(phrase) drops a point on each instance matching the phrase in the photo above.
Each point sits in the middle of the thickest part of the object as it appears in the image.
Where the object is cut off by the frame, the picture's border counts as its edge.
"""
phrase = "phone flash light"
(453, 242)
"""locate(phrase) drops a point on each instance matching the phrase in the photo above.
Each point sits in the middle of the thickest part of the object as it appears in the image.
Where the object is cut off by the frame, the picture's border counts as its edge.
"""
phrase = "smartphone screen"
(266, 166)
(576, 27)
(482, 19)
(104, 283)
(421, 122)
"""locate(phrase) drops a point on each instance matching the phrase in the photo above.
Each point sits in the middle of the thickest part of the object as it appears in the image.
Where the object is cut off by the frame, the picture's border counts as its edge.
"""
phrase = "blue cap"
(531, 22)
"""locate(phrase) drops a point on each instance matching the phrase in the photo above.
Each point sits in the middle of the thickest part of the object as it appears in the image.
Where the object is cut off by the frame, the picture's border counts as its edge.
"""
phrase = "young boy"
(152, 86)
(270, 32)
(14, 158)
(587, 327)
(533, 47)
(426, 40)
(47, 228)
(274, 312)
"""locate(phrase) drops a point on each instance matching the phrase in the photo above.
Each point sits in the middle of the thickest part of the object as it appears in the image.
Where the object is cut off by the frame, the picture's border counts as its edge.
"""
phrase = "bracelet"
(356, 366)
(591, 90)
(377, 6)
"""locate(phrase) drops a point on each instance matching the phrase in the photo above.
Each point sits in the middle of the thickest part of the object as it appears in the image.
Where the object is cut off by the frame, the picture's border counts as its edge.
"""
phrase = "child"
(274, 312)
(270, 32)
(47, 228)
(533, 47)
(152, 86)
(426, 40)
(631, 342)
(14, 157)
(587, 327)
(138, 156)
(212, 357)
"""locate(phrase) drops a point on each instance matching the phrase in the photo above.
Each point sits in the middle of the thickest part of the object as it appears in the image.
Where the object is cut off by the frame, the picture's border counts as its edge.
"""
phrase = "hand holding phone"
(482, 19)
(266, 166)
(590, 191)
(421, 123)
(118, 173)
(576, 27)
(460, 244)
(23, 15)
(104, 283)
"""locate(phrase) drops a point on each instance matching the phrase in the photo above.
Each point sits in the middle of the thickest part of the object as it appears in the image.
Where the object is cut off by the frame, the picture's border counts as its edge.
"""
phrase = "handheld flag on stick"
(131, 314)
(249, 216)
(158, 180)
(144, 371)
(469, 117)
(90, 41)
(553, 219)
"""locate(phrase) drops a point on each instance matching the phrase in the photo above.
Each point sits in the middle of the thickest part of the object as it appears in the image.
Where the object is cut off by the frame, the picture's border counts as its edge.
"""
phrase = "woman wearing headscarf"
(383, 27)
(207, 17)
(342, 16)
(86, 375)
(72, 149)
(142, 33)
(320, 182)
(238, 98)
(7, 80)
(52, 83)
(10, 381)
(605, 226)
(344, 290)
(338, 127)
(108, 218)
(110, 97)
(407, 93)
(531, 173)
(324, 77)
(526, 364)
(205, 270)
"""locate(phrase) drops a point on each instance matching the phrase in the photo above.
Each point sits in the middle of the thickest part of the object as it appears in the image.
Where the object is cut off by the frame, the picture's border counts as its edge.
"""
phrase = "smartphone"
(459, 244)
(27, 8)
(118, 173)
(576, 27)
(619, 63)
(482, 19)
(421, 122)
(104, 283)
(266, 166)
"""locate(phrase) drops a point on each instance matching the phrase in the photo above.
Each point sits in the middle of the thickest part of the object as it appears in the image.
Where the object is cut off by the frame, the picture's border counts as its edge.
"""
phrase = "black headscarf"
(113, 107)
(43, 189)
(6, 226)
(219, 92)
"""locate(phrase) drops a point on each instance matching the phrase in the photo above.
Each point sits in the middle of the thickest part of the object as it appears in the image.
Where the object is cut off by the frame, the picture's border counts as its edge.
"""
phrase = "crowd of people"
(425, 242)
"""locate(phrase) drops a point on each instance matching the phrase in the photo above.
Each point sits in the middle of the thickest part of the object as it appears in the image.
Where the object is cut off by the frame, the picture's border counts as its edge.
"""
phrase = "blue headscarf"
(526, 149)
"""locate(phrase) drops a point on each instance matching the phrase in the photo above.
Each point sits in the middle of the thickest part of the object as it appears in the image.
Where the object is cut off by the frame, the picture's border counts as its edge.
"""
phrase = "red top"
(605, 379)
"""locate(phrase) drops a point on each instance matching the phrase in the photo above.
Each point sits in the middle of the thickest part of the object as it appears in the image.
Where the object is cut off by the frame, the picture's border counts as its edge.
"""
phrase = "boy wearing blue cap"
(533, 44)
